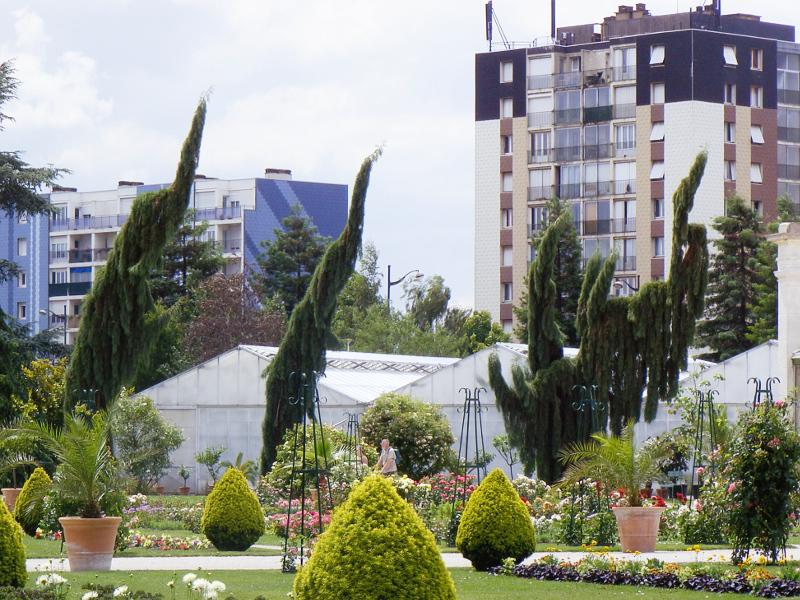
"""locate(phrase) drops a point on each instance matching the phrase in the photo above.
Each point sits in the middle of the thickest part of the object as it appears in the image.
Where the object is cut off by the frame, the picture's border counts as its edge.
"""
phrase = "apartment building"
(59, 256)
(609, 117)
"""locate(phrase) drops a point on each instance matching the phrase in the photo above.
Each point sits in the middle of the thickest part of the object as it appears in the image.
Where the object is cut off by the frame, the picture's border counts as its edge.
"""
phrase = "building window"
(624, 177)
(506, 218)
(730, 170)
(657, 132)
(540, 146)
(506, 144)
(625, 139)
(508, 182)
(756, 134)
(729, 54)
(756, 59)
(538, 217)
(22, 311)
(658, 208)
(757, 96)
(508, 326)
(658, 246)
(58, 277)
(657, 54)
(508, 295)
(506, 72)
(22, 279)
(508, 256)
(730, 93)
(657, 170)
(756, 174)
(22, 247)
(730, 132)
(22, 217)
(758, 207)
(506, 108)
(657, 93)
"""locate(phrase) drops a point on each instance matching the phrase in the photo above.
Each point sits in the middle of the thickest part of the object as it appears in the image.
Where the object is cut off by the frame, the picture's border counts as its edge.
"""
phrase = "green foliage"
(232, 518)
(303, 347)
(566, 276)
(143, 440)
(210, 459)
(44, 401)
(29, 506)
(615, 461)
(289, 260)
(361, 292)
(12, 552)
(118, 328)
(495, 524)
(248, 468)
(507, 452)
(376, 547)
(280, 475)
(419, 432)
(479, 332)
(763, 469)
(628, 345)
(427, 301)
(706, 520)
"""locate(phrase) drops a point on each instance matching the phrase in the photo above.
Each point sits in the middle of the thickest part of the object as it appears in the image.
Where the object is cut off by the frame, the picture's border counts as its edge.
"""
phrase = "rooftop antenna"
(491, 18)
(553, 19)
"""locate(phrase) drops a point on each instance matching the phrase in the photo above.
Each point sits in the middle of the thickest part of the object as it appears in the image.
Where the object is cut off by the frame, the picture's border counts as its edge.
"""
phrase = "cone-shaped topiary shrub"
(232, 518)
(28, 509)
(495, 524)
(12, 552)
(376, 547)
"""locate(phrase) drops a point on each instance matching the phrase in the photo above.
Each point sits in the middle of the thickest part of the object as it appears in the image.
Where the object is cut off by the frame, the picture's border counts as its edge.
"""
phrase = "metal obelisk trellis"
(763, 391)
(305, 471)
(588, 411)
(705, 432)
(471, 429)
(352, 456)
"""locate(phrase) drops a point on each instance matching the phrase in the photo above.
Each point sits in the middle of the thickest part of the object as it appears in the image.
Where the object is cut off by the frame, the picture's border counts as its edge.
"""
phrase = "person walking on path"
(387, 463)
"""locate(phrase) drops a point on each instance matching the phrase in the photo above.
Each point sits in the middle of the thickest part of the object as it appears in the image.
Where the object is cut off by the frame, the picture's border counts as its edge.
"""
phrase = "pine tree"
(303, 347)
(118, 328)
(288, 261)
(566, 275)
(628, 345)
(734, 277)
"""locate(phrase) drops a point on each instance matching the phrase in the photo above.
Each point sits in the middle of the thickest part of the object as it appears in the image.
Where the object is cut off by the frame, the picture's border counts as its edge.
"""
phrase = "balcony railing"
(626, 263)
(567, 153)
(543, 155)
(541, 192)
(624, 225)
(625, 73)
(597, 227)
(229, 246)
(571, 79)
(566, 191)
(593, 189)
(540, 120)
(595, 151)
(595, 114)
(74, 288)
(540, 82)
(80, 256)
(788, 96)
(625, 186)
(218, 213)
(535, 228)
(568, 116)
(624, 149)
(73, 322)
(788, 171)
(788, 134)
(88, 222)
(101, 253)
(624, 111)
(58, 256)
(598, 77)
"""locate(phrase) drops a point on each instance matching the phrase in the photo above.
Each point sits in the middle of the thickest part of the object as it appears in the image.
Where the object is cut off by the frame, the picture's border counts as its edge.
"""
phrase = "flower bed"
(165, 542)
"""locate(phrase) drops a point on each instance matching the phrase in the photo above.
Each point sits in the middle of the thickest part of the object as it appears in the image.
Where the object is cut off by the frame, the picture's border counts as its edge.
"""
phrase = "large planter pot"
(10, 497)
(184, 491)
(638, 527)
(90, 542)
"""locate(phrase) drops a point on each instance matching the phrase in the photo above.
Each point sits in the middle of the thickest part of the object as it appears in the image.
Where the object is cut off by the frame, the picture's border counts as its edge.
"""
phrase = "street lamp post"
(47, 312)
(418, 275)
(618, 285)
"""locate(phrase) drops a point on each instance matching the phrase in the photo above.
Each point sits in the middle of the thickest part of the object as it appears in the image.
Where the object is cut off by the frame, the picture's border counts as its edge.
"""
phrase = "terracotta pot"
(184, 491)
(638, 527)
(160, 489)
(10, 497)
(90, 542)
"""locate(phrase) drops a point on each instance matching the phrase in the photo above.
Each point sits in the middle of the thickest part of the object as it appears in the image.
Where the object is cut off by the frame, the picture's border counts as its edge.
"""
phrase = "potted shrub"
(619, 465)
(11, 460)
(86, 480)
(210, 458)
(184, 474)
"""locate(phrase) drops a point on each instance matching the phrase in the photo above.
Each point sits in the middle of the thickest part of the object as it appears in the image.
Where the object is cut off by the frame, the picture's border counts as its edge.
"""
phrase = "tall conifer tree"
(118, 328)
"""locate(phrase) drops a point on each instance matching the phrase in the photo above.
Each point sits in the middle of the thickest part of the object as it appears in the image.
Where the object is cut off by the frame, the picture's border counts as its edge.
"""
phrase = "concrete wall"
(487, 217)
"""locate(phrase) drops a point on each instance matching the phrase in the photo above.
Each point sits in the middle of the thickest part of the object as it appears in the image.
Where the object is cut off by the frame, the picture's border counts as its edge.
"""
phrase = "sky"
(108, 88)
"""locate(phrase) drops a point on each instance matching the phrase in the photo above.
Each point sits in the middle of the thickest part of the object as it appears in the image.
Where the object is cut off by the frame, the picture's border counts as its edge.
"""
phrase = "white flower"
(41, 581)
(217, 586)
(210, 594)
(119, 591)
(189, 578)
(200, 584)
(89, 596)
(55, 579)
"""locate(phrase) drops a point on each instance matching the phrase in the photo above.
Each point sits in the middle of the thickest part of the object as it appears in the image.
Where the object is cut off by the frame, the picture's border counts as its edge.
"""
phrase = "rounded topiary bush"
(12, 552)
(376, 547)
(28, 509)
(232, 518)
(495, 524)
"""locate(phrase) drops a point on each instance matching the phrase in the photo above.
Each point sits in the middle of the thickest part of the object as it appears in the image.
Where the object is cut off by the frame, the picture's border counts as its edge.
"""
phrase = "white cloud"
(29, 29)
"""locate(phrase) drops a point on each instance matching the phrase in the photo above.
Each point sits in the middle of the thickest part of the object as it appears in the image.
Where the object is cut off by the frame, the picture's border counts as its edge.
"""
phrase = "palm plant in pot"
(86, 482)
(618, 464)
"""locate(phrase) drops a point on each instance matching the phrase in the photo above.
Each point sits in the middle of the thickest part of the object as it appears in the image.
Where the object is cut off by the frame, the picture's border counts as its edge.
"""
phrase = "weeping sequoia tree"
(302, 349)
(118, 327)
(631, 347)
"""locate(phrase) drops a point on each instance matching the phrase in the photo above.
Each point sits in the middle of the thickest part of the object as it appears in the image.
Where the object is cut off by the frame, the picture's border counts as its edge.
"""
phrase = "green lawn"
(470, 585)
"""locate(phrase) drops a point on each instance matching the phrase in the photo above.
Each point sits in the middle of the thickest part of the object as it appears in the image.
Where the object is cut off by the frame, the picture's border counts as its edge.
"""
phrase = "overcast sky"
(108, 88)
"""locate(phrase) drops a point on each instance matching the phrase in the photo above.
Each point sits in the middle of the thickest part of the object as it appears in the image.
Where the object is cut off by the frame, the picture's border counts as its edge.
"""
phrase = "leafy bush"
(28, 509)
(12, 552)
(376, 547)
(762, 469)
(143, 440)
(232, 519)
(210, 458)
(705, 520)
(495, 524)
(13, 593)
(419, 431)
